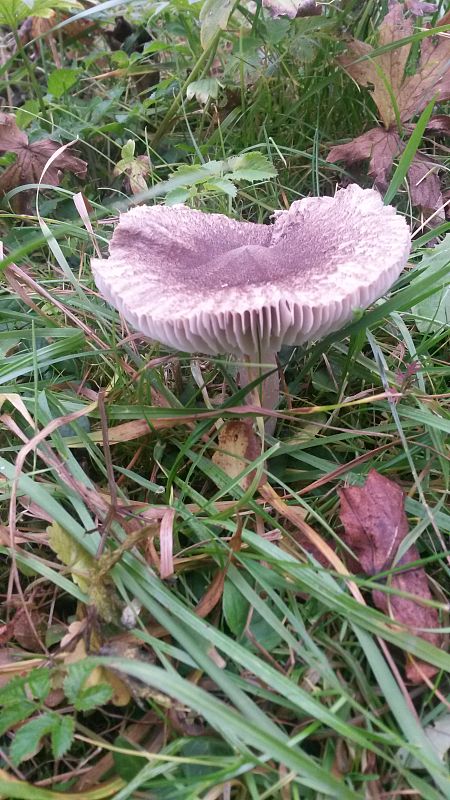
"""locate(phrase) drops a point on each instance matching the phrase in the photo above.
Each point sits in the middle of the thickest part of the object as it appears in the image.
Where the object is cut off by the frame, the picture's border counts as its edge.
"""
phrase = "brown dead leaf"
(238, 445)
(375, 525)
(425, 186)
(419, 8)
(378, 145)
(412, 92)
(32, 159)
(439, 123)
(29, 630)
(292, 8)
(384, 75)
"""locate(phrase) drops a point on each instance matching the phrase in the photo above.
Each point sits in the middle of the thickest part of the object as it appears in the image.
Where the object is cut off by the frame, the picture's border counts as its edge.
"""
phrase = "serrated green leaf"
(203, 90)
(223, 185)
(93, 696)
(251, 167)
(12, 715)
(27, 738)
(75, 679)
(178, 196)
(38, 682)
(85, 698)
(62, 735)
(70, 553)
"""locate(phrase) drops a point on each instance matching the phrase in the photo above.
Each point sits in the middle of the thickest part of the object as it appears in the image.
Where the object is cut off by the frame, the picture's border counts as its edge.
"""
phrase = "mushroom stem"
(268, 392)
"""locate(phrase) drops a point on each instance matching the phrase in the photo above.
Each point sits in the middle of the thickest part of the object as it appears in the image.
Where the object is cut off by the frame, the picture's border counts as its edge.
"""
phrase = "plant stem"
(32, 77)
(201, 63)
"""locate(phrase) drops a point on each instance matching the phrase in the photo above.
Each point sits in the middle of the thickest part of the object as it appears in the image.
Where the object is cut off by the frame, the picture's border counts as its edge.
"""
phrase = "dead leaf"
(166, 535)
(441, 122)
(432, 79)
(375, 525)
(418, 8)
(135, 171)
(238, 445)
(28, 629)
(413, 92)
(378, 145)
(32, 159)
(425, 186)
(384, 76)
(292, 8)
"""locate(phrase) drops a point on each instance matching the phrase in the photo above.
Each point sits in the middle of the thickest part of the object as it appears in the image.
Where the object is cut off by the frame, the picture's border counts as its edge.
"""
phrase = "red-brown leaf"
(412, 93)
(378, 145)
(439, 123)
(425, 186)
(375, 524)
(32, 158)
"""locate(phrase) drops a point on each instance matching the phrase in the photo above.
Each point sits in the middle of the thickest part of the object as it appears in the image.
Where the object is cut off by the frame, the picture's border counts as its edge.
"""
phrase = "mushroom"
(203, 282)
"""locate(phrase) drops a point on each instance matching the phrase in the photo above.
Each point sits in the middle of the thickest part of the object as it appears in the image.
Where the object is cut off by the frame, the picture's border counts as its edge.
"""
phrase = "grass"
(257, 672)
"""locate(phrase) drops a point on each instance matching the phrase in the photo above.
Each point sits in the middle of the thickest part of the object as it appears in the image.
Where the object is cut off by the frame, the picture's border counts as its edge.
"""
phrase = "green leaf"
(214, 17)
(127, 151)
(235, 608)
(38, 682)
(93, 696)
(27, 113)
(222, 185)
(13, 12)
(62, 735)
(409, 153)
(176, 196)
(85, 699)
(203, 90)
(27, 738)
(12, 715)
(127, 766)
(435, 309)
(251, 167)
(75, 679)
(61, 80)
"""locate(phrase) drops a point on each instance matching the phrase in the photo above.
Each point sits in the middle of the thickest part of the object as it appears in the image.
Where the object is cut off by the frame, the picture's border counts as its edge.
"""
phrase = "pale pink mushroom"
(205, 283)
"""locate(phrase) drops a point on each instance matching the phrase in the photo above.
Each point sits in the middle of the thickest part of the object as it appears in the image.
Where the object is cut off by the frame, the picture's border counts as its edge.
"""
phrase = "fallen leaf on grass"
(419, 8)
(238, 445)
(31, 160)
(375, 525)
(292, 8)
(438, 734)
(424, 185)
(99, 675)
(399, 98)
(378, 145)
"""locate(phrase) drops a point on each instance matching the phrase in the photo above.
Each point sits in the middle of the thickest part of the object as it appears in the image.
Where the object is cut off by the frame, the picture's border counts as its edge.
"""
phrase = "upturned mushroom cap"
(205, 283)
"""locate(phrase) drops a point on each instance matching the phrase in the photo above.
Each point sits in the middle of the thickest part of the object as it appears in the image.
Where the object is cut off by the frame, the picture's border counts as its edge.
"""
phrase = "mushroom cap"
(205, 283)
